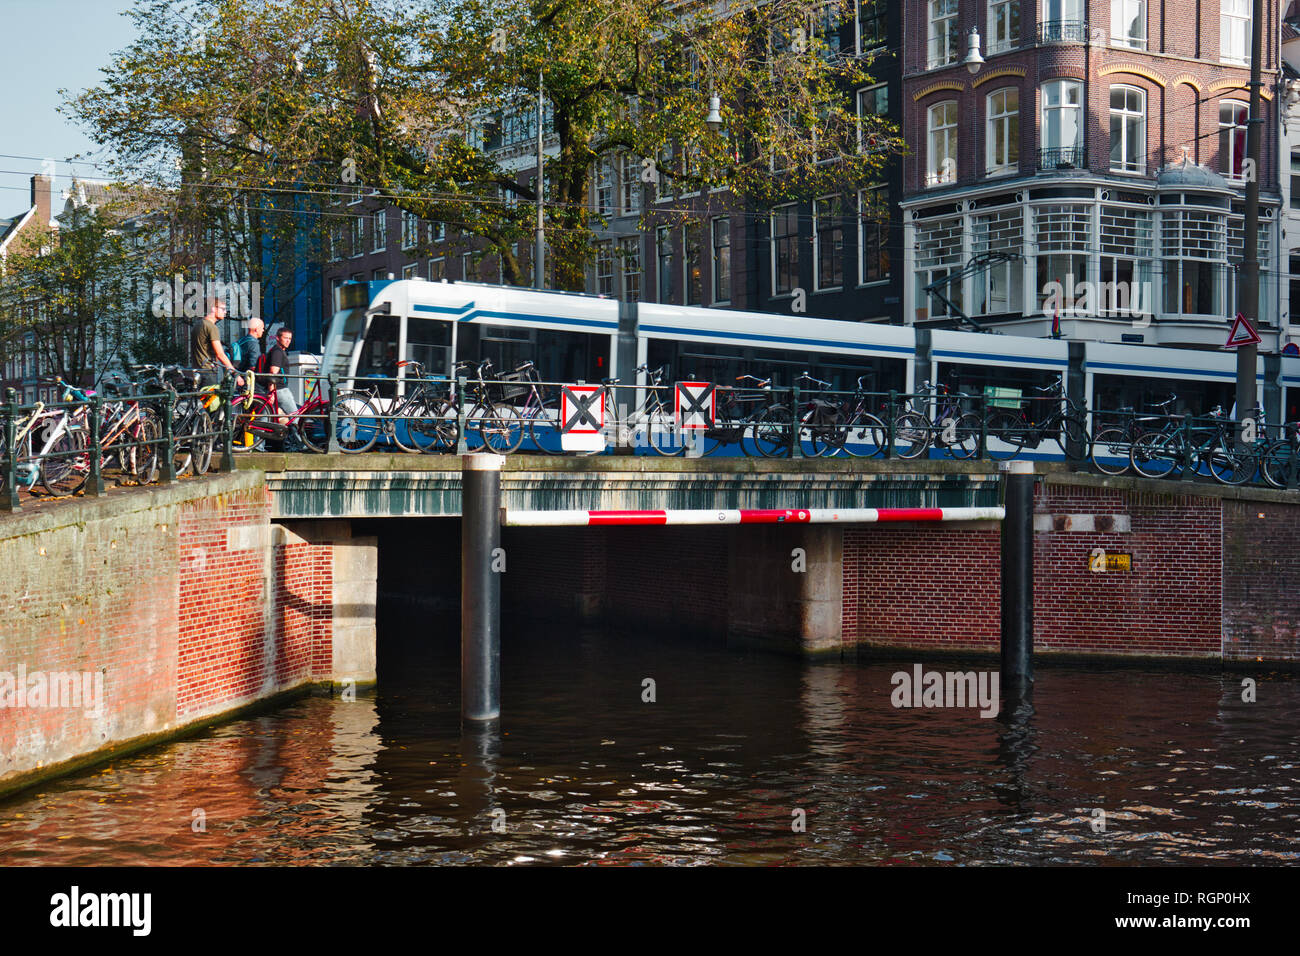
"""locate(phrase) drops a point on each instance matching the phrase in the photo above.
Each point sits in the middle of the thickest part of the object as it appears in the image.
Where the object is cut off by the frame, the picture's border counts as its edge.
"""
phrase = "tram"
(577, 337)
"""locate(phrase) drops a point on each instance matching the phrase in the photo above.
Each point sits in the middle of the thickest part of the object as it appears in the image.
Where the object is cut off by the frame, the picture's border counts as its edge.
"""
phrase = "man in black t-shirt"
(206, 350)
(277, 363)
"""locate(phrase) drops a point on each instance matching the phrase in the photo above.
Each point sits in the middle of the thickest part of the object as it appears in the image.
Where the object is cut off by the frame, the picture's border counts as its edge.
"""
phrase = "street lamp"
(973, 60)
(714, 120)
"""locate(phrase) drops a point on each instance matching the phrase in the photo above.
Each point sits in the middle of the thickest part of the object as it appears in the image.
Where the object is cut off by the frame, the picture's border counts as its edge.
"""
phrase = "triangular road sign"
(1243, 333)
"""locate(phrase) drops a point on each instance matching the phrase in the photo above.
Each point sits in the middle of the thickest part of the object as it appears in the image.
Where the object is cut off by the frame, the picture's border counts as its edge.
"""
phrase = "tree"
(250, 98)
(80, 292)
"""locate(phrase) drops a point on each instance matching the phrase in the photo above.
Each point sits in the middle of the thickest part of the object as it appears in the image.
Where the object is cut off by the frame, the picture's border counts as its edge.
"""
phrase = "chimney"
(42, 186)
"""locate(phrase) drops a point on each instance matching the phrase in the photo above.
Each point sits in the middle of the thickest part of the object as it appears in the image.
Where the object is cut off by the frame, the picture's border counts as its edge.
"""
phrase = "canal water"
(739, 759)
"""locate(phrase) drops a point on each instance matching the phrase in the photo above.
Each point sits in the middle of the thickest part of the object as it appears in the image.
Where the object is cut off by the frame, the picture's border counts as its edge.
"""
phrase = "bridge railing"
(168, 423)
(138, 433)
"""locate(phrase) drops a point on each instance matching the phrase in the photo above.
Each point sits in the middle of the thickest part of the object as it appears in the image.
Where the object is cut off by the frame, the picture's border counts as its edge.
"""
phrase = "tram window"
(722, 365)
(429, 343)
(379, 352)
(1111, 392)
(973, 379)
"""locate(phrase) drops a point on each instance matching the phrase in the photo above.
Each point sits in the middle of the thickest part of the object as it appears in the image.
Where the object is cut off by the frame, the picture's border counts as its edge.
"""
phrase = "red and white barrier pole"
(551, 519)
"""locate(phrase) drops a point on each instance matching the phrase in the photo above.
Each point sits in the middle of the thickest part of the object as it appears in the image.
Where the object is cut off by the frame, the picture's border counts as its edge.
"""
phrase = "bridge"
(199, 597)
(305, 486)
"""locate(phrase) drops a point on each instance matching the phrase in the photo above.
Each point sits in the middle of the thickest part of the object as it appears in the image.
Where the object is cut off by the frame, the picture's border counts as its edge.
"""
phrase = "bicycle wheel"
(1005, 435)
(405, 425)
(1275, 463)
(143, 456)
(1229, 466)
(911, 435)
(865, 436)
(202, 440)
(544, 428)
(435, 432)
(665, 437)
(358, 422)
(1072, 433)
(965, 434)
(314, 428)
(67, 472)
(770, 432)
(1157, 455)
(819, 435)
(250, 415)
(1110, 451)
(503, 430)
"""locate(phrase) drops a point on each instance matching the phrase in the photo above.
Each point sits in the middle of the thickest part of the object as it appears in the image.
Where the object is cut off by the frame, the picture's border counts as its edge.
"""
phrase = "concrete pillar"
(1018, 583)
(480, 587)
(786, 588)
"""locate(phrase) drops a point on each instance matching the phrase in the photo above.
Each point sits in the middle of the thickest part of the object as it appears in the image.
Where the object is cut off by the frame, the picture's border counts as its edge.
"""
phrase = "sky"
(48, 45)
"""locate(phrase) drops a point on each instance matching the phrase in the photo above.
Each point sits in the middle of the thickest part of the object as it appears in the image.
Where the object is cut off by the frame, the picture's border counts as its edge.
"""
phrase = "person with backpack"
(248, 349)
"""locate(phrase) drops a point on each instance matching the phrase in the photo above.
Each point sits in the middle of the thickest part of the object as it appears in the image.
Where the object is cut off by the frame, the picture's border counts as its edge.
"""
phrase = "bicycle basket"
(510, 386)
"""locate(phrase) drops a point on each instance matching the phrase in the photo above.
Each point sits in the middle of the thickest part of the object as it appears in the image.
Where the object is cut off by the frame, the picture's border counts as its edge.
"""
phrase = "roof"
(1289, 31)
(1188, 175)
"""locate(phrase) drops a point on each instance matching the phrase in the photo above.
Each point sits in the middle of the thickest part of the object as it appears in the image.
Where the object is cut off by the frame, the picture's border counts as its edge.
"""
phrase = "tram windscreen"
(346, 326)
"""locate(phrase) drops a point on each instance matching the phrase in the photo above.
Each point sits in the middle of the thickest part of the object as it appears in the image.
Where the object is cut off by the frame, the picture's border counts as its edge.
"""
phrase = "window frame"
(1231, 170)
(951, 33)
(1009, 142)
(1138, 167)
(790, 241)
(1119, 13)
(1011, 41)
(933, 176)
(720, 279)
(834, 235)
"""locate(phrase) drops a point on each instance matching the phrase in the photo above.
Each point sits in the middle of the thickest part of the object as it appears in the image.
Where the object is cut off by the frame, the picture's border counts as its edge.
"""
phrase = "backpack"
(237, 353)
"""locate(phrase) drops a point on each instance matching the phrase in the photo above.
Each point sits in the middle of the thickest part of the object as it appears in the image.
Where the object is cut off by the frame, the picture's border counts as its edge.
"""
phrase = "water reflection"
(581, 770)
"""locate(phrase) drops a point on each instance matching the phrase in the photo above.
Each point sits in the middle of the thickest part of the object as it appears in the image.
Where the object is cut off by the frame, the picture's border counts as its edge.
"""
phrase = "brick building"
(1098, 142)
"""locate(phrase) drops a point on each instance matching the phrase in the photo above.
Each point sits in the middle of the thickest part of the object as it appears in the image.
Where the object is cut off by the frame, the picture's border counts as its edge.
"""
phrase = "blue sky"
(49, 44)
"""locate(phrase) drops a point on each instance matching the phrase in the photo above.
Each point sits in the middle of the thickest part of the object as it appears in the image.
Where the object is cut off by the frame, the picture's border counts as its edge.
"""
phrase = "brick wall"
(1261, 581)
(1210, 578)
(175, 599)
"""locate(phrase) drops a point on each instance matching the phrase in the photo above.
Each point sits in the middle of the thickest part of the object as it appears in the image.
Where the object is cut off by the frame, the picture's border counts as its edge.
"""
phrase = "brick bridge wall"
(1210, 578)
(183, 603)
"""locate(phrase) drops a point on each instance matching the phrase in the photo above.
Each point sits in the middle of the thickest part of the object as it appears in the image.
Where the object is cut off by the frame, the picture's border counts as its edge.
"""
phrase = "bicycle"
(1112, 444)
(1164, 453)
(824, 421)
(1065, 424)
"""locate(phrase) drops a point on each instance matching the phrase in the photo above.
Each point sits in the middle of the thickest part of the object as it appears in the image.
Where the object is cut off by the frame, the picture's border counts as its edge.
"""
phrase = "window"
(1003, 132)
(379, 275)
(828, 244)
(410, 230)
(1062, 126)
(664, 188)
(1193, 245)
(785, 249)
(1128, 23)
(872, 28)
(664, 257)
(381, 231)
(605, 267)
(873, 234)
(1234, 31)
(627, 185)
(605, 186)
(630, 252)
(694, 268)
(1128, 130)
(1004, 25)
(872, 101)
(1064, 235)
(437, 269)
(942, 160)
(826, 25)
(938, 253)
(410, 271)
(943, 33)
(998, 288)
(1295, 185)
(721, 232)
(1232, 138)
(1125, 283)
(439, 231)
(358, 236)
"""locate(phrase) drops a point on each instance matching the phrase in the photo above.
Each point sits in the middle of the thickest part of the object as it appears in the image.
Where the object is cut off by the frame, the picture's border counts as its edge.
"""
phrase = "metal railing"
(1063, 31)
(1061, 157)
(168, 426)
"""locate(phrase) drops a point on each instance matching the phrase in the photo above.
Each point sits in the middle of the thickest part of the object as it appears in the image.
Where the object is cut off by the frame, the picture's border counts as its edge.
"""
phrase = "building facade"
(1085, 174)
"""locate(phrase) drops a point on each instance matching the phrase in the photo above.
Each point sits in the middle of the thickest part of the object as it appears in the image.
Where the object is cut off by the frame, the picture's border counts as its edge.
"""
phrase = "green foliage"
(271, 98)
